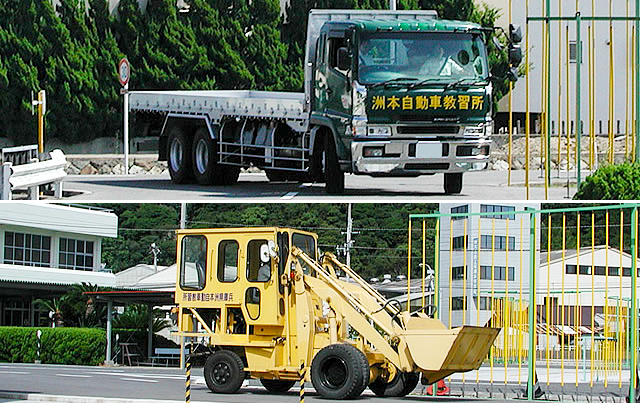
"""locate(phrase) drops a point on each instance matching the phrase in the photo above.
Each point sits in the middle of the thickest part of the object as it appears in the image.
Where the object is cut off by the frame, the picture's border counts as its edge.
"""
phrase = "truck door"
(338, 105)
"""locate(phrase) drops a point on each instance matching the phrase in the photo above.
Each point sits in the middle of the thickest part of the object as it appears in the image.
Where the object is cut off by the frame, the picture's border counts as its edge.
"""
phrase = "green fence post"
(578, 97)
(637, 81)
(532, 304)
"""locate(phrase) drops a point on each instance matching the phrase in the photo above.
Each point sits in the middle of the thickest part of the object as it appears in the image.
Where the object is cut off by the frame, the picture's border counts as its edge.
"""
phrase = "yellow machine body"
(278, 305)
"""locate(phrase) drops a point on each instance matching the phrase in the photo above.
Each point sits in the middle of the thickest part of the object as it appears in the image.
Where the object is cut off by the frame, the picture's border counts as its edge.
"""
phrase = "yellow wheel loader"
(272, 309)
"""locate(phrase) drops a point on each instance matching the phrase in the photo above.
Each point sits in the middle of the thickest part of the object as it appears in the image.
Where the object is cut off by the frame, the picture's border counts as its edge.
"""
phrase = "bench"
(166, 354)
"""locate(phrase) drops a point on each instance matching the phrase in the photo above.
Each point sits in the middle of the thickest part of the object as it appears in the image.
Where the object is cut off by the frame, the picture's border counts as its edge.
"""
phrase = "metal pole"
(109, 327)
(392, 4)
(637, 80)
(126, 129)
(578, 96)
(183, 215)
(528, 112)
(510, 113)
(150, 332)
(41, 112)
(634, 307)
(548, 113)
(532, 303)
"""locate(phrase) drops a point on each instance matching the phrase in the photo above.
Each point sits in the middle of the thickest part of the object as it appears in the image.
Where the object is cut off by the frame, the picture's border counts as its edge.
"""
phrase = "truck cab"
(405, 97)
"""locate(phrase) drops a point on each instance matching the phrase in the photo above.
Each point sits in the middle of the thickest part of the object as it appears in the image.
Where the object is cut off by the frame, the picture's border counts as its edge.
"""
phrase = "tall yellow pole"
(548, 302)
(606, 298)
(619, 327)
(409, 271)
(493, 278)
(592, 55)
(544, 153)
(591, 104)
(577, 314)
(506, 303)
(520, 332)
(510, 114)
(568, 105)
(626, 98)
(424, 266)
(559, 125)
(450, 269)
(611, 88)
(478, 285)
(564, 248)
(593, 311)
(41, 111)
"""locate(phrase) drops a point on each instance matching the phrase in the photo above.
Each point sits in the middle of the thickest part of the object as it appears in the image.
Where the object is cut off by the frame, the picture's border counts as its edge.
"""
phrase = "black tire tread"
(235, 361)
(353, 359)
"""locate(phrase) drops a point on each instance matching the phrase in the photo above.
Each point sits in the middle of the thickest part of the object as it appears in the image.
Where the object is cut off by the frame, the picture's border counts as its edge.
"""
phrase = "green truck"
(386, 93)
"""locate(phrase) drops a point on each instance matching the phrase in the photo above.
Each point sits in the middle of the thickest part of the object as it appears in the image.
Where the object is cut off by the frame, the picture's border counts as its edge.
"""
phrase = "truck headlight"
(359, 99)
(379, 131)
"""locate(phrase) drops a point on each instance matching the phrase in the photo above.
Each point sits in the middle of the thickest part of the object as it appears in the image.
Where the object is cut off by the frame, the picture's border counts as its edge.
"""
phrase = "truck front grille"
(428, 129)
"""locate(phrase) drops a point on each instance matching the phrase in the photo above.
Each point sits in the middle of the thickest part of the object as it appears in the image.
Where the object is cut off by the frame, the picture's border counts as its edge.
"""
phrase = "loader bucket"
(449, 350)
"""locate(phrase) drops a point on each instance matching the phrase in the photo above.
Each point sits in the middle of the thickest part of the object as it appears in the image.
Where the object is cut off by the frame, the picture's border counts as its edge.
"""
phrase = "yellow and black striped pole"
(187, 390)
(302, 376)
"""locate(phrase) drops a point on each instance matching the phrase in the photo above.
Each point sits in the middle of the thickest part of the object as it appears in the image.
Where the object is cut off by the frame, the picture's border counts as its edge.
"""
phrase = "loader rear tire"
(224, 372)
(276, 385)
(338, 373)
(403, 384)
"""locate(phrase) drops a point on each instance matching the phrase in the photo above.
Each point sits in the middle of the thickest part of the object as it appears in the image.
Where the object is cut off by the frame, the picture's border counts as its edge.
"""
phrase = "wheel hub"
(221, 373)
(334, 373)
(202, 156)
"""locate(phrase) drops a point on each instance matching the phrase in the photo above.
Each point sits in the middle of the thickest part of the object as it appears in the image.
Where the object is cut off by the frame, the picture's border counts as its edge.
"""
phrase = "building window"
(598, 270)
(16, 312)
(498, 242)
(459, 242)
(457, 303)
(460, 210)
(27, 249)
(457, 273)
(499, 273)
(488, 208)
(485, 303)
(76, 254)
(573, 51)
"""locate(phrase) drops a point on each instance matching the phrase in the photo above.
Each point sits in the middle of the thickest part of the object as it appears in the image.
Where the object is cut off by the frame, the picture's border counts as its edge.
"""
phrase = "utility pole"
(392, 4)
(183, 215)
(346, 247)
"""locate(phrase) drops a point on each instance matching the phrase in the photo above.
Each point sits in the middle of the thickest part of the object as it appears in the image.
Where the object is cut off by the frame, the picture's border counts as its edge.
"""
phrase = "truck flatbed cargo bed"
(269, 104)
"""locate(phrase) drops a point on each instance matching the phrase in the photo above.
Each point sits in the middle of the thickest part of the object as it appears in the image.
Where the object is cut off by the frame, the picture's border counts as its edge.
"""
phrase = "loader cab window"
(308, 245)
(283, 255)
(258, 261)
(228, 261)
(193, 262)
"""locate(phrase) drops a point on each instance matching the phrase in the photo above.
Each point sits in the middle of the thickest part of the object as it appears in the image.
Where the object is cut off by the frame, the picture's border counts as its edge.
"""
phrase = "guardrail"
(30, 176)
(19, 155)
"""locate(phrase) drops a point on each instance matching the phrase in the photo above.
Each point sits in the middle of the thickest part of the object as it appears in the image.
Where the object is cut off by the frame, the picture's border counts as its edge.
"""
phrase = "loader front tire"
(276, 385)
(338, 373)
(224, 372)
(403, 384)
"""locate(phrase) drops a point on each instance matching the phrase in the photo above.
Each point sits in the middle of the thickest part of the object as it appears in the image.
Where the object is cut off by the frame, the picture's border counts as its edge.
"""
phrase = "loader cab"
(235, 275)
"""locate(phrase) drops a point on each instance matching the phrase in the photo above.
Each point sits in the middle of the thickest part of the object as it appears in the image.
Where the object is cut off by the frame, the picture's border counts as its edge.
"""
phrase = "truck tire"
(453, 183)
(403, 384)
(337, 372)
(206, 169)
(179, 155)
(224, 372)
(333, 175)
(276, 385)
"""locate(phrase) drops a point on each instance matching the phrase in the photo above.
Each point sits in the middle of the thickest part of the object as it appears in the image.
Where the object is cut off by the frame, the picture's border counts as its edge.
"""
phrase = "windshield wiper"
(397, 79)
(423, 82)
(463, 81)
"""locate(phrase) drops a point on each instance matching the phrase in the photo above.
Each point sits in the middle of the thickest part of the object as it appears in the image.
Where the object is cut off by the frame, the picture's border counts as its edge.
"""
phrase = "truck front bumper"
(413, 157)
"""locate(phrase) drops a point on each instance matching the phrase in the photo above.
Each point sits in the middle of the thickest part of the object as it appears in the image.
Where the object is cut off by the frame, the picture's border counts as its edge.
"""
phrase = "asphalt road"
(168, 384)
(486, 185)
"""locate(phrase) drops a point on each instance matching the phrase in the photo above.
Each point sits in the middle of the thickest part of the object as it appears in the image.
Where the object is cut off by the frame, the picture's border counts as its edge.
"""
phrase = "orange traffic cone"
(443, 389)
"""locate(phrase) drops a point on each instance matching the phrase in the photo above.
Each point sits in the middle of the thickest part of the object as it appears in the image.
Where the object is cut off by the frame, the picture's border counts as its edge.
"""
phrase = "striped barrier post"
(187, 391)
(302, 376)
(38, 334)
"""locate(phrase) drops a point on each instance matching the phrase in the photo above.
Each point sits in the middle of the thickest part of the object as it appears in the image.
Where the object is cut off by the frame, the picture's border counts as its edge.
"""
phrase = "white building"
(44, 250)
(622, 51)
(492, 242)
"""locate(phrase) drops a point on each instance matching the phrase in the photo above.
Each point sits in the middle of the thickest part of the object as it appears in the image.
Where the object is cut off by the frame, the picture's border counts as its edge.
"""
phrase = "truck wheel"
(206, 169)
(403, 384)
(276, 385)
(179, 156)
(333, 175)
(453, 183)
(337, 372)
(224, 372)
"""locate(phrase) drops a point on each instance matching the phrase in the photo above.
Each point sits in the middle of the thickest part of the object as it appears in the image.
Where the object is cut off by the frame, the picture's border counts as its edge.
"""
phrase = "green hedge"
(65, 345)
(612, 182)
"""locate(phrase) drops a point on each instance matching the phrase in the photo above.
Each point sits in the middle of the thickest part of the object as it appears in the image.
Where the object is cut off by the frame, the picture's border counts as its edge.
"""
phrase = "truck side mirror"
(515, 33)
(515, 55)
(344, 59)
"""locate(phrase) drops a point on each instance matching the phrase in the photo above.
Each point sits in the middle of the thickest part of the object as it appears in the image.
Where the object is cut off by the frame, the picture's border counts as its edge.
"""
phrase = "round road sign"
(124, 71)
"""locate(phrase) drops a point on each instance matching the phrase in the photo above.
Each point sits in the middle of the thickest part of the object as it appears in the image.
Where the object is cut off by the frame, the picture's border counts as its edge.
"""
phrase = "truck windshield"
(441, 56)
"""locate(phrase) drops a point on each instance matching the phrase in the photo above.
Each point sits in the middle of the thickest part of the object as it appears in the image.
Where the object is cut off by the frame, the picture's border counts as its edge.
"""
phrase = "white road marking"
(14, 372)
(289, 195)
(138, 380)
(132, 375)
(75, 375)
